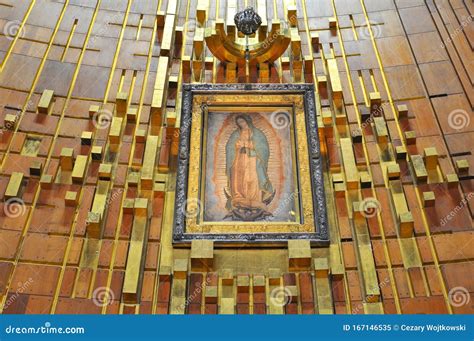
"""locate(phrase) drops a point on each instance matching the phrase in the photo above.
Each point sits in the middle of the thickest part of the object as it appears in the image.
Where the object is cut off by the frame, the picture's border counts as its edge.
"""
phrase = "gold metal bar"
(46, 102)
(381, 130)
(202, 255)
(201, 11)
(67, 159)
(159, 95)
(431, 158)
(323, 290)
(262, 11)
(371, 287)
(335, 80)
(292, 15)
(231, 11)
(419, 167)
(149, 162)
(121, 103)
(115, 130)
(97, 213)
(350, 168)
(172, 7)
(198, 42)
(299, 254)
(79, 170)
(14, 185)
(168, 35)
(178, 296)
(136, 253)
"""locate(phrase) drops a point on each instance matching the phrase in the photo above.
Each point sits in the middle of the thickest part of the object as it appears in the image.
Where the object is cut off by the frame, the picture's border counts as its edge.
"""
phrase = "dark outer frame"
(320, 237)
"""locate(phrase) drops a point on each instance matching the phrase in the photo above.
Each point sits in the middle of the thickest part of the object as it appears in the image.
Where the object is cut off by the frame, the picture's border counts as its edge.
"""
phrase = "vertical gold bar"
(335, 81)
(136, 253)
(201, 11)
(231, 11)
(419, 167)
(262, 11)
(350, 168)
(115, 130)
(121, 103)
(323, 289)
(79, 170)
(172, 7)
(149, 162)
(198, 42)
(381, 130)
(46, 102)
(14, 185)
(168, 35)
(67, 159)
(99, 206)
(299, 255)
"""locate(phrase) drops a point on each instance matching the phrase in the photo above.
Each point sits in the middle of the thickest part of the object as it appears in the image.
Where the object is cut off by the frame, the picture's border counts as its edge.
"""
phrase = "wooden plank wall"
(95, 84)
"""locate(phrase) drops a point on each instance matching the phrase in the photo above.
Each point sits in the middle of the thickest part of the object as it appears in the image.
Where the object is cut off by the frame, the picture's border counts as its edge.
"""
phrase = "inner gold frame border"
(197, 98)
(199, 225)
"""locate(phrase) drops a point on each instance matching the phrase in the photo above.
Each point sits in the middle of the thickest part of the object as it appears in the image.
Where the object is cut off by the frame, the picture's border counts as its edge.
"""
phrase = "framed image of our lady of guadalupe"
(249, 165)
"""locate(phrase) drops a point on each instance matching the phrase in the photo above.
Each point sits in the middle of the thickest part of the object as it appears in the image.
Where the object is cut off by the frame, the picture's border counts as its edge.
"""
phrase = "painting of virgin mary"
(249, 190)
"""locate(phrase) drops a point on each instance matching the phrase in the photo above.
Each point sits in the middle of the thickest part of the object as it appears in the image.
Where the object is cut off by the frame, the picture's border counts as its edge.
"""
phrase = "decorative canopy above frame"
(224, 44)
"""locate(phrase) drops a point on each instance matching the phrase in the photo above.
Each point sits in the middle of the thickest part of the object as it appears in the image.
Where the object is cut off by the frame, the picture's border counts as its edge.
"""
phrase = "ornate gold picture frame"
(249, 165)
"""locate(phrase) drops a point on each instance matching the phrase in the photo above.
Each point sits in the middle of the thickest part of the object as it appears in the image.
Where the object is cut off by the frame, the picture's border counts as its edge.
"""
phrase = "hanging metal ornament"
(247, 21)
